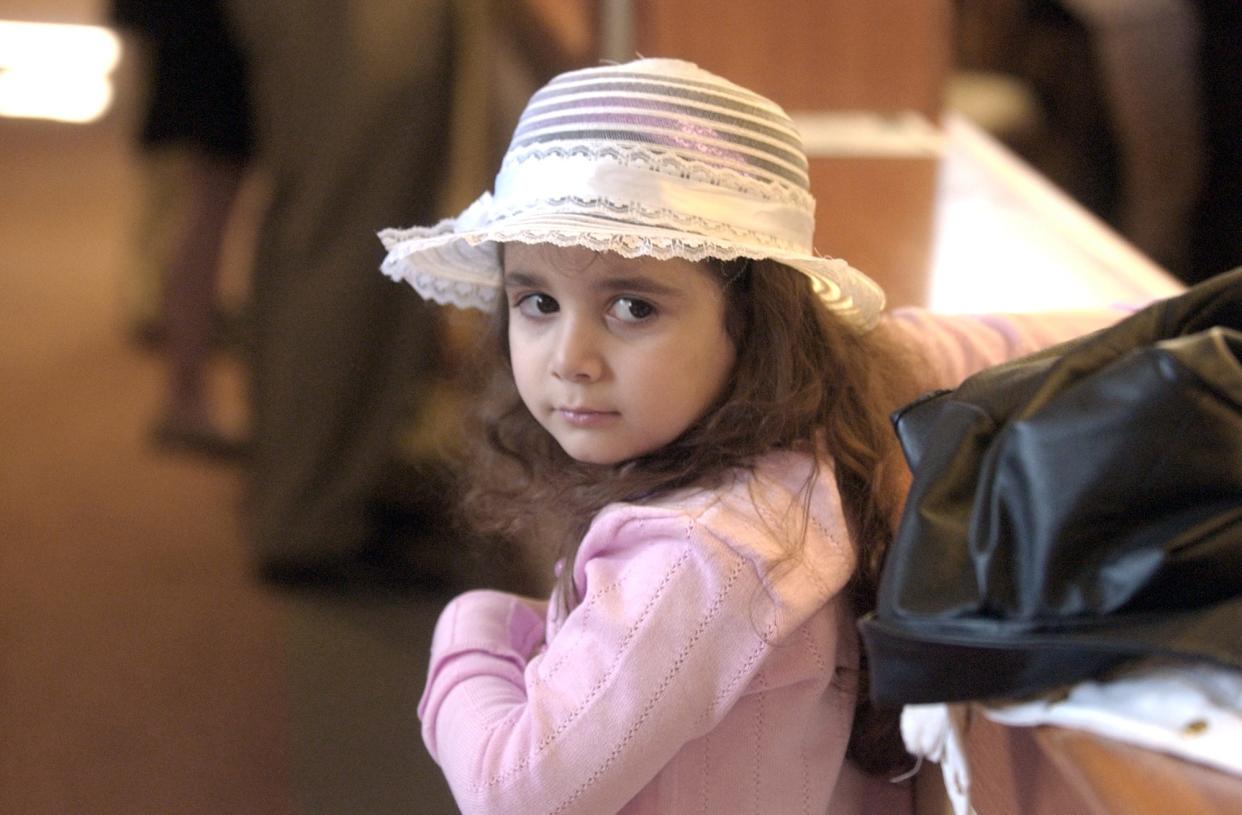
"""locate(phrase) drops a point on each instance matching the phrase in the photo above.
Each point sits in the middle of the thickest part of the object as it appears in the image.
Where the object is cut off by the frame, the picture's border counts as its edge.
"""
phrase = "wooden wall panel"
(883, 55)
(878, 214)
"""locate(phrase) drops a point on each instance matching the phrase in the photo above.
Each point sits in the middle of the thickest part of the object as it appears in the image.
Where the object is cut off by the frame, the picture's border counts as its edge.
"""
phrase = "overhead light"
(55, 71)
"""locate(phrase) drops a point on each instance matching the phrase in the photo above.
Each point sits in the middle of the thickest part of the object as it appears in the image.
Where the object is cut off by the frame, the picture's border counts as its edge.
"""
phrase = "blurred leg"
(190, 285)
(353, 105)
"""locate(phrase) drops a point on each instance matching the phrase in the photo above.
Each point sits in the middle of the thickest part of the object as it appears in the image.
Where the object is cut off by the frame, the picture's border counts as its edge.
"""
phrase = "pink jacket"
(705, 670)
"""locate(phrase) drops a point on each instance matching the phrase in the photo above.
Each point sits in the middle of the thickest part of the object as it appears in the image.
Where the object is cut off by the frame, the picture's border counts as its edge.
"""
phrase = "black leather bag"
(1070, 510)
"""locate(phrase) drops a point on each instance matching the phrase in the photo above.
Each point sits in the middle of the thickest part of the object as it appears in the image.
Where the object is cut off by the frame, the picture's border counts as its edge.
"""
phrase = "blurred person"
(196, 142)
(1120, 105)
(1217, 243)
(352, 104)
(1146, 53)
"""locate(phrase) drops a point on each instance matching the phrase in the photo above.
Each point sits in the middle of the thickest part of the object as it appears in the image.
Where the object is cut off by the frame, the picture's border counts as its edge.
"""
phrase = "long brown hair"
(803, 380)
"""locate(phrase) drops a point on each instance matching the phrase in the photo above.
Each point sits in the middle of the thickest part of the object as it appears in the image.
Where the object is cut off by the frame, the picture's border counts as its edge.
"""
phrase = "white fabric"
(1193, 711)
(692, 205)
(935, 732)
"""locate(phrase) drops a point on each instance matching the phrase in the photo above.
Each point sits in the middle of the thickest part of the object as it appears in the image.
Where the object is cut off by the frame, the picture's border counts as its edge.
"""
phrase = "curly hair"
(803, 380)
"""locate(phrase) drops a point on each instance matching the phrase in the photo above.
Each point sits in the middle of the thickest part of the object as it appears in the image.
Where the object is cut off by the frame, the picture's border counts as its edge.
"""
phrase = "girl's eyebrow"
(523, 280)
(638, 285)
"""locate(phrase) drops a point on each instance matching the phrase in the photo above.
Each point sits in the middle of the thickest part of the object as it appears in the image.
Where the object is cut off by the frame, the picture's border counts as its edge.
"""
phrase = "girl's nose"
(577, 357)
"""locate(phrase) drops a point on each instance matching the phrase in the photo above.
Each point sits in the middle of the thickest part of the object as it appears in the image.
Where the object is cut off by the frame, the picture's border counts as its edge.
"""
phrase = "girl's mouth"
(585, 417)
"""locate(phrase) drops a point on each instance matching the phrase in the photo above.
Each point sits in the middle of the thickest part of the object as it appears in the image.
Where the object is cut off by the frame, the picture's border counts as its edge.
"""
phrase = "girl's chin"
(595, 454)
(595, 458)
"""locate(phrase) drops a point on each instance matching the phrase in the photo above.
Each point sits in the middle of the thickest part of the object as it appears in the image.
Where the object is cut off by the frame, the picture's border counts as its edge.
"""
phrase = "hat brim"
(453, 266)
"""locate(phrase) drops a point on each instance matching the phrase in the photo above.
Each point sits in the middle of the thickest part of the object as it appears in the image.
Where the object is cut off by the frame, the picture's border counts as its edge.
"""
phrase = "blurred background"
(223, 483)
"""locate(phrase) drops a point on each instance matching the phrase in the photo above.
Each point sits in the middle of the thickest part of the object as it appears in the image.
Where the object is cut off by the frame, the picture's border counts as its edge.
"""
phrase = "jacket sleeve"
(955, 346)
(672, 628)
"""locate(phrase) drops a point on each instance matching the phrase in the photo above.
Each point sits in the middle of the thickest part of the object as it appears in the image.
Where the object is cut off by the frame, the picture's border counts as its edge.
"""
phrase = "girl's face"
(614, 356)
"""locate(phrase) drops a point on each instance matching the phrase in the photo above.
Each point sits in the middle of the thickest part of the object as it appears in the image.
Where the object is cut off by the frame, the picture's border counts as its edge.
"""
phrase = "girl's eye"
(537, 305)
(631, 309)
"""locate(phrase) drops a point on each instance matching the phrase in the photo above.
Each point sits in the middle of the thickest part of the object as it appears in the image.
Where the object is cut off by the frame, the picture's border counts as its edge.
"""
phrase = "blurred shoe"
(413, 548)
(149, 334)
(232, 331)
(376, 571)
(173, 436)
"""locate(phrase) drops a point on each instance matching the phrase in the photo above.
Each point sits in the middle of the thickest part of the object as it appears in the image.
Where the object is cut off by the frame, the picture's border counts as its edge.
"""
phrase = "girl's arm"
(672, 628)
(955, 346)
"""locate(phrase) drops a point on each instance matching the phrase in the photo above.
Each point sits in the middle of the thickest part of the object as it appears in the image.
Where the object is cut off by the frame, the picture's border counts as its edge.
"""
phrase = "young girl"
(694, 405)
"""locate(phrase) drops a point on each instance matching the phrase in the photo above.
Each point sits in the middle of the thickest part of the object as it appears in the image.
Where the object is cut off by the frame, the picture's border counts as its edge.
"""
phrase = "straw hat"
(652, 158)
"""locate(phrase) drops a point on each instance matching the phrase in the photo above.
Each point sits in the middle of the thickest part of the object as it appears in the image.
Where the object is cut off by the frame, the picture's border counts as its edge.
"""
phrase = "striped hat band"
(720, 124)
